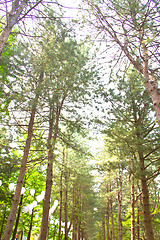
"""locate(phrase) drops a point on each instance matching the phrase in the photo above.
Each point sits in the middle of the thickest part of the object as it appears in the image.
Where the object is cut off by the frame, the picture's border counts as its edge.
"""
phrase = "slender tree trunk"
(30, 227)
(103, 227)
(12, 215)
(112, 222)
(73, 206)
(22, 234)
(132, 205)
(18, 217)
(60, 211)
(79, 230)
(107, 221)
(66, 206)
(49, 180)
(120, 234)
(3, 222)
(146, 207)
(138, 227)
(13, 211)
(74, 234)
(132, 212)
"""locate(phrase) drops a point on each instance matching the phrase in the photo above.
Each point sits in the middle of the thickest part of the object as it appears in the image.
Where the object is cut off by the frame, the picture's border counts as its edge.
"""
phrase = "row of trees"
(132, 136)
(48, 86)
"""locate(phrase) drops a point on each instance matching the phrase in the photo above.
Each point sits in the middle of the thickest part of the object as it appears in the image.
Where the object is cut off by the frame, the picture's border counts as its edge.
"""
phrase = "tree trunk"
(30, 227)
(104, 230)
(107, 220)
(4, 37)
(145, 197)
(74, 234)
(66, 206)
(112, 222)
(138, 228)
(12, 215)
(60, 211)
(18, 217)
(49, 180)
(132, 213)
(119, 209)
(13, 211)
(151, 84)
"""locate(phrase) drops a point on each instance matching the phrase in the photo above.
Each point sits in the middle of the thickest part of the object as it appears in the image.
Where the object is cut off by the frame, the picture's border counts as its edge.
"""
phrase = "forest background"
(80, 115)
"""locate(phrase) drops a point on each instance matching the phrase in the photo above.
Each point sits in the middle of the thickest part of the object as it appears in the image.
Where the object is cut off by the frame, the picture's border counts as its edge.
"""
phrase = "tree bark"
(138, 228)
(103, 227)
(12, 215)
(145, 197)
(120, 234)
(30, 227)
(107, 220)
(60, 211)
(132, 212)
(49, 180)
(18, 217)
(66, 206)
(12, 18)
(54, 116)
(112, 222)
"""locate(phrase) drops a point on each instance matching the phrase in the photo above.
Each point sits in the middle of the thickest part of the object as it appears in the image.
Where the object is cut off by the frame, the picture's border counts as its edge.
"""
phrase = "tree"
(133, 26)
(12, 215)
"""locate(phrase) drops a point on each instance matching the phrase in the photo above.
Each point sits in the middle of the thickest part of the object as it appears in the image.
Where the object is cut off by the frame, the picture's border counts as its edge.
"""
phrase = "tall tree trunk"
(12, 215)
(73, 206)
(66, 206)
(60, 211)
(112, 222)
(145, 197)
(138, 227)
(49, 180)
(30, 227)
(18, 217)
(103, 227)
(132, 212)
(74, 234)
(120, 234)
(107, 220)
(13, 211)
